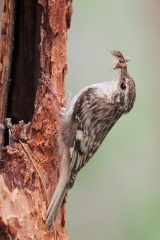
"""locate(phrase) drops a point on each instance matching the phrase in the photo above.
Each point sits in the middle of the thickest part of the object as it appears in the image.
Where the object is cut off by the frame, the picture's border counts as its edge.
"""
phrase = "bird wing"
(89, 128)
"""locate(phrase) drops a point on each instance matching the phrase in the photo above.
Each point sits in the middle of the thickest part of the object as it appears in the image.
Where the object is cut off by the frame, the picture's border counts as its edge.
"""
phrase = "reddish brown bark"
(6, 47)
(31, 165)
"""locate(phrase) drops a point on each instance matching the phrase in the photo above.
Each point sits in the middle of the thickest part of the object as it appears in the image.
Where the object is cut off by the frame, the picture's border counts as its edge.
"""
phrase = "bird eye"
(123, 86)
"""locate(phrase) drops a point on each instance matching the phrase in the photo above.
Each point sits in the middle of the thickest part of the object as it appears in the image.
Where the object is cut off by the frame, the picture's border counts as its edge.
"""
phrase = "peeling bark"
(30, 168)
(6, 47)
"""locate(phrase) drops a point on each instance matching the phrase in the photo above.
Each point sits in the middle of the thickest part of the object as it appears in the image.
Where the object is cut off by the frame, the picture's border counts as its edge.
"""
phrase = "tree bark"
(6, 47)
(30, 166)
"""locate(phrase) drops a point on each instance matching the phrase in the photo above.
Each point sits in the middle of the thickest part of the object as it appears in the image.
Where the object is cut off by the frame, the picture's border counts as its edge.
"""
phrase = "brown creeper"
(85, 123)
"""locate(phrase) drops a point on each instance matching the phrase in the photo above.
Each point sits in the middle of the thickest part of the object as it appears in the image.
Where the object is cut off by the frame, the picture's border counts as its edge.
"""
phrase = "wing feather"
(91, 128)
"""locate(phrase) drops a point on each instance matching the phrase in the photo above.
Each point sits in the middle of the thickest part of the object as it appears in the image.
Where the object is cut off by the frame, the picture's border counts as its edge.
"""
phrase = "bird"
(84, 124)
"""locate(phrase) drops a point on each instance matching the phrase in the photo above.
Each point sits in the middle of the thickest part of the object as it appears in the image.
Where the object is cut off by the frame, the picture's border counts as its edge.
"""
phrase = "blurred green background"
(117, 195)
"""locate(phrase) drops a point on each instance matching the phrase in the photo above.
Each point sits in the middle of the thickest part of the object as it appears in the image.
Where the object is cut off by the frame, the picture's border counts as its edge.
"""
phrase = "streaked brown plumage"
(84, 125)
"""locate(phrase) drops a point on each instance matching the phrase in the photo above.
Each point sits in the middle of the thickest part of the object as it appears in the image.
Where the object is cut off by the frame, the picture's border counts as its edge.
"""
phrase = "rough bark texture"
(6, 47)
(30, 168)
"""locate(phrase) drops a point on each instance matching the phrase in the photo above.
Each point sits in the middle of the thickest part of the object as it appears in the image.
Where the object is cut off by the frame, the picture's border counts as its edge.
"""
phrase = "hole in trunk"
(25, 62)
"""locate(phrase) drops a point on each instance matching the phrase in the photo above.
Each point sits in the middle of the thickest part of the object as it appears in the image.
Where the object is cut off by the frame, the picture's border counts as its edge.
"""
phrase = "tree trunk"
(30, 166)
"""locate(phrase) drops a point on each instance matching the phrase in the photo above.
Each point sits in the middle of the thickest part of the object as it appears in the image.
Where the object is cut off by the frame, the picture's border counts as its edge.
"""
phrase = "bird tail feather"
(59, 194)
